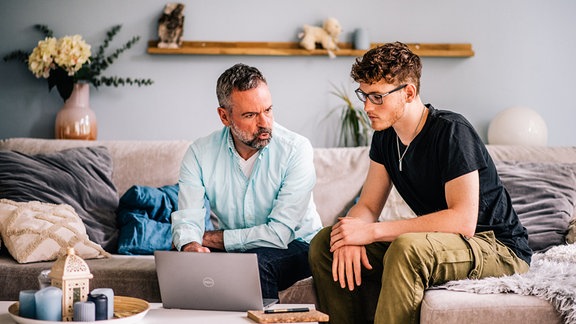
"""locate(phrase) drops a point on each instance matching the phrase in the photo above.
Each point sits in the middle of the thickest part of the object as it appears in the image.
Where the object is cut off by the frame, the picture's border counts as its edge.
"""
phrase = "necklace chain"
(401, 156)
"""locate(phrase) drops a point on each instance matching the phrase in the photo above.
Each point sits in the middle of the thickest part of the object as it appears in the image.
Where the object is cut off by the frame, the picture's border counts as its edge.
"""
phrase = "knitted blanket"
(552, 276)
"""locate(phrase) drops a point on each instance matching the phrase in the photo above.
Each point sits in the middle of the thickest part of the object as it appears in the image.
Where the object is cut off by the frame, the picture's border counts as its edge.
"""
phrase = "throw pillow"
(80, 177)
(35, 231)
(543, 195)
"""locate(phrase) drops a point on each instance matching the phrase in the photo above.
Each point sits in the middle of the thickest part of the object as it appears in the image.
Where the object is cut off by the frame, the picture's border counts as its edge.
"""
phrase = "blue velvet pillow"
(144, 219)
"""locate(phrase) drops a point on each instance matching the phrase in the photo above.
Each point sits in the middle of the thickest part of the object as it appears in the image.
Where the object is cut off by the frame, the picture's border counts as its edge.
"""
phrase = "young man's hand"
(350, 231)
(347, 265)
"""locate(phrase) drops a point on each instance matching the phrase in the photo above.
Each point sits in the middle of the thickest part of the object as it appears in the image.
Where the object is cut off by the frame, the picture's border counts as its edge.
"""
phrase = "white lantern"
(518, 126)
(71, 274)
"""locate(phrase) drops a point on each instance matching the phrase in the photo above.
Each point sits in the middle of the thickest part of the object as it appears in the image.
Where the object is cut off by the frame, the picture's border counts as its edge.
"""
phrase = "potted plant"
(355, 127)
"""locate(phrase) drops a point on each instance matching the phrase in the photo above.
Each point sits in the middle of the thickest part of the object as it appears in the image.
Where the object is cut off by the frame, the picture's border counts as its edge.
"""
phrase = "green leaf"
(355, 129)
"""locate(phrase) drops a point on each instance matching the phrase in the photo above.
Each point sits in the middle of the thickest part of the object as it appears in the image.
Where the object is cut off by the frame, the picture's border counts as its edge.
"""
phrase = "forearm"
(273, 234)
(213, 239)
(446, 221)
(362, 212)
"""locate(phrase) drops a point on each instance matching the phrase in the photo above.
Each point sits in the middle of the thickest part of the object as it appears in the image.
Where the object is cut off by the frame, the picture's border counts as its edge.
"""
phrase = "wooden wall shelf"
(294, 49)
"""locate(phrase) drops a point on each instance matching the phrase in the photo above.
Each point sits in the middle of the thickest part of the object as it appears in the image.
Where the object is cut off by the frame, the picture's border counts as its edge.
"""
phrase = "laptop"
(210, 281)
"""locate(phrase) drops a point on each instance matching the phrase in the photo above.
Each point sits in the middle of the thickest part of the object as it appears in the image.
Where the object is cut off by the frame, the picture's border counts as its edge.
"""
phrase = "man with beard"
(258, 178)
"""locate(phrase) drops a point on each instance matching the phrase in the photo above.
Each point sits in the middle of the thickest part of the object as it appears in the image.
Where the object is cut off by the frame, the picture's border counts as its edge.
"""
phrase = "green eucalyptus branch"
(47, 32)
(18, 55)
(115, 81)
(22, 56)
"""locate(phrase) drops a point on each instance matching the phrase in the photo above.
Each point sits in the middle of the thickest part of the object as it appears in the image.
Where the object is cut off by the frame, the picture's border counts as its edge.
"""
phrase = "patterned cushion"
(35, 231)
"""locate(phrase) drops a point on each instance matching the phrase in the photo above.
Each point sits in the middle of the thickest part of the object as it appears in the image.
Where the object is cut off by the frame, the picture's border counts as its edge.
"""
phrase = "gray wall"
(524, 56)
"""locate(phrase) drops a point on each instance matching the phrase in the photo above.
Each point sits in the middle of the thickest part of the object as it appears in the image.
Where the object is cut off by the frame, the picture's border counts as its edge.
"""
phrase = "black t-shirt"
(446, 148)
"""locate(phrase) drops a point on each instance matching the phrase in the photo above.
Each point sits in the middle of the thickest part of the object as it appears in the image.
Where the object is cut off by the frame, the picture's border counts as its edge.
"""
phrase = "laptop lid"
(209, 281)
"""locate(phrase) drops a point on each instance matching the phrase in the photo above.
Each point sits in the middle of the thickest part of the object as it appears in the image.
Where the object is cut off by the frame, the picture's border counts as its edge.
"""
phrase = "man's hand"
(195, 247)
(347, 265)
(350, 231)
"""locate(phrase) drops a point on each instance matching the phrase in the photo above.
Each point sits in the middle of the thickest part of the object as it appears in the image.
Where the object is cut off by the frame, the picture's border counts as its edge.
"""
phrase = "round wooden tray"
(126, 310)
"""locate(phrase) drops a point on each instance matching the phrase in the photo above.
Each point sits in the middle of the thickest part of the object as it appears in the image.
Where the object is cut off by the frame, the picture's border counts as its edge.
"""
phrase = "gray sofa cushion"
(80, 177)
(455, 307)
(543, 195)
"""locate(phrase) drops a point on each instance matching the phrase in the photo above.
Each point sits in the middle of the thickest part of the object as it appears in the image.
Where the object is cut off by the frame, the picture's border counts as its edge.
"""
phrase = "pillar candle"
(84, 312)
(27, 304)
(49, 304)
(110, 295)
(101, 304)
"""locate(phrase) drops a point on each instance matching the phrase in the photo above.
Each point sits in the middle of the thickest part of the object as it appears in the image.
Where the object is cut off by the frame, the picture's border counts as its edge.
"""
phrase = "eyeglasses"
(376, 98)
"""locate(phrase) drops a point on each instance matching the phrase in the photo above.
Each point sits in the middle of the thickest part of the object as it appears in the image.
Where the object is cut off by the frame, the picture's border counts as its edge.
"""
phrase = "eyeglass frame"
(363, 96)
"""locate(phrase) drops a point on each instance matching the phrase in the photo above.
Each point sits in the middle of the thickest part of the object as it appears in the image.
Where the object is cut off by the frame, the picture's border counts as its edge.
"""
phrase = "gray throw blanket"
(552, 276)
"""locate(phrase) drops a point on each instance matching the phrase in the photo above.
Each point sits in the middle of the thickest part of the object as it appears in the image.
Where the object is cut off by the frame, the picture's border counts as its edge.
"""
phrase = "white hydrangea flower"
(41, 60)
(72, 53)
(69, 53)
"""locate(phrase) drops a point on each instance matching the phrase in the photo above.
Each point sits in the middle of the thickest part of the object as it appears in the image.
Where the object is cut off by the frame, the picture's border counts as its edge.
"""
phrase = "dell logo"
(208, 282)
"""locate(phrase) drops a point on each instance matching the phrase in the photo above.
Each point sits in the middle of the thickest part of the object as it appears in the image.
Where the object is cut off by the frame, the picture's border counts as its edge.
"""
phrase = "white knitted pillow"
(35, 231)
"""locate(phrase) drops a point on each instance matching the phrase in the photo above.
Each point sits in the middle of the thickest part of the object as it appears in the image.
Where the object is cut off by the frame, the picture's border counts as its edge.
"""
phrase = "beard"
(252, 140)
(380, 124)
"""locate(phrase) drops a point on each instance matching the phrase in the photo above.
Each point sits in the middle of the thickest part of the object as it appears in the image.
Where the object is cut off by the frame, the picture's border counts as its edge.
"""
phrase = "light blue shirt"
(270, 208)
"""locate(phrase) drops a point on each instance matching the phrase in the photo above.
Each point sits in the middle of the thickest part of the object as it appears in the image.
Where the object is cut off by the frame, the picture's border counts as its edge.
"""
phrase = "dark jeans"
(281, 268)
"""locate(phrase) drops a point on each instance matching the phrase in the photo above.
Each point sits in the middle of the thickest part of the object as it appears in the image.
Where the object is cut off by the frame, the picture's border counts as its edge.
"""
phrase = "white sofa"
(340, 175)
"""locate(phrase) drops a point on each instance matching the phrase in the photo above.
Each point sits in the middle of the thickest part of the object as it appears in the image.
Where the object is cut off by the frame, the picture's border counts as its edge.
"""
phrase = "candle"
(27, 304)
(84, 312)
(49, 304)
(101, 304)
(110, 295)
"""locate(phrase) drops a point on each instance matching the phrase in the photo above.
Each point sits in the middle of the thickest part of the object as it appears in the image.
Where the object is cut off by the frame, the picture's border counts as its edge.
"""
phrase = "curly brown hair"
(393, 62)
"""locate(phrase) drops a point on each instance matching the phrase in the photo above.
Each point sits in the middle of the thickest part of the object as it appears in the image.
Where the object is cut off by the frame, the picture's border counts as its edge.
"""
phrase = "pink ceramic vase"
(76, 120)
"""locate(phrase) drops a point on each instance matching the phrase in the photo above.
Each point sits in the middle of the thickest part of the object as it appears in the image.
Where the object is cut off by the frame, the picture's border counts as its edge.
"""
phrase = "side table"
(159, 315)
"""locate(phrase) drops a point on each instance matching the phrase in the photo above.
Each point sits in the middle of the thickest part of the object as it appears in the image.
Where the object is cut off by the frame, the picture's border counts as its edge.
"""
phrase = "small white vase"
(361, 39)
(76, 120)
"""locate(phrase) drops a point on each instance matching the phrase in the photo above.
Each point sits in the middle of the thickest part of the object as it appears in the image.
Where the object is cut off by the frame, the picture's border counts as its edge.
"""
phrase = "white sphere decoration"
(518, 126)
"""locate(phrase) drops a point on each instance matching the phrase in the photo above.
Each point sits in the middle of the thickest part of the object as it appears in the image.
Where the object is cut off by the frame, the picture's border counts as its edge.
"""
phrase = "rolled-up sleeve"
(189, 220)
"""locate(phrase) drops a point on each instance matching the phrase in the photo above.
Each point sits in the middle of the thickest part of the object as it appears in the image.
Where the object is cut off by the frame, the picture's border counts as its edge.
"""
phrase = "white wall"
(524, 56)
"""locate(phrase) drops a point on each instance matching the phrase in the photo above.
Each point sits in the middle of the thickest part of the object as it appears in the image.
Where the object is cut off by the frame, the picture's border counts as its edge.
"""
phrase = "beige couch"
(340, 174)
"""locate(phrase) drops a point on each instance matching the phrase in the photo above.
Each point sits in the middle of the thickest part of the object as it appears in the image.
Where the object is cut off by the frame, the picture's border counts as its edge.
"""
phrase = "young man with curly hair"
(466, 225)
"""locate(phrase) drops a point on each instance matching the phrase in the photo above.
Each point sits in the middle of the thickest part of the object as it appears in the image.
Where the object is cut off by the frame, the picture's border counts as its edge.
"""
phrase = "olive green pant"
(404, 269)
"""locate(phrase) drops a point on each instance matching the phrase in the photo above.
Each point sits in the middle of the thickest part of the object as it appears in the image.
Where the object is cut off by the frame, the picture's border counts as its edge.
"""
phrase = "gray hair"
(239, 77)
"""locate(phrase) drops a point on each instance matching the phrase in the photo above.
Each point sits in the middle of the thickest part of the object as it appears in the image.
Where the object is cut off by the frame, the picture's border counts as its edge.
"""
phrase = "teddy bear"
(326, 36)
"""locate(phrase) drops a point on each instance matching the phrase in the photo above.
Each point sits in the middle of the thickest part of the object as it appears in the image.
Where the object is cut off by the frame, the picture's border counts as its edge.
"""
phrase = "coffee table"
(158, 314)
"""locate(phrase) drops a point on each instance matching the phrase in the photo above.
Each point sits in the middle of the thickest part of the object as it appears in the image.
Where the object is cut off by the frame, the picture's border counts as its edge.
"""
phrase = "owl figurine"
(171, 26)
